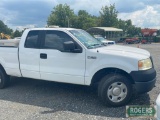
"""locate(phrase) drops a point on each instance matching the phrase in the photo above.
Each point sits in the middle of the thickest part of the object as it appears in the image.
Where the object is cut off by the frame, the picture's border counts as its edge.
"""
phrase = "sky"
(19, 14)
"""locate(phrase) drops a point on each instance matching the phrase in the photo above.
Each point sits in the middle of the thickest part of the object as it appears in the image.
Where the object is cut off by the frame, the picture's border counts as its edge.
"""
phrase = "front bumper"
(144, 80)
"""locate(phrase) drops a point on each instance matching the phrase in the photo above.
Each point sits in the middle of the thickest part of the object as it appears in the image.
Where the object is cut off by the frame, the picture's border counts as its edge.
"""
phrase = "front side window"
(55, 40)
(32, 39)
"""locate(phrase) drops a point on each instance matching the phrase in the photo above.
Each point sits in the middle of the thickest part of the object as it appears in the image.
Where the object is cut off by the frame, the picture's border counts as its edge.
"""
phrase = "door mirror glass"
(69, 46)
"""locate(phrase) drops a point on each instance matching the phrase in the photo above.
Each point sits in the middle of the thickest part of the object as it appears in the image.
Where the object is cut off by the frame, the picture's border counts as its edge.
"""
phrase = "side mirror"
(69, 46)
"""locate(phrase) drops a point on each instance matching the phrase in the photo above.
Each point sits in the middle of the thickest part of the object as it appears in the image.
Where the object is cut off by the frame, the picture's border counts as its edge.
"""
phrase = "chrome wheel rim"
(117, 92)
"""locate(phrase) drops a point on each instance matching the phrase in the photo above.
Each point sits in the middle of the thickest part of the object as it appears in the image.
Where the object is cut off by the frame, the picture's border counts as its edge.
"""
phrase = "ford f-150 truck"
(73, 56)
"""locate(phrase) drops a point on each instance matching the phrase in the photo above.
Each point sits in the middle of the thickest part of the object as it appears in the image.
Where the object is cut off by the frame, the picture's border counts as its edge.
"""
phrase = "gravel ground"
(27, 99)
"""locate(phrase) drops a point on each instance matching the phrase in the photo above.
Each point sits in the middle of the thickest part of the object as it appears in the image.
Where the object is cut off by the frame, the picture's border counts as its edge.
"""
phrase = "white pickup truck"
(73, 56)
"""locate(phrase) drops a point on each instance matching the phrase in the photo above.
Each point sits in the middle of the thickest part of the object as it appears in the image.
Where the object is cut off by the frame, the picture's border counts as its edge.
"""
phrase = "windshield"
(86, 39)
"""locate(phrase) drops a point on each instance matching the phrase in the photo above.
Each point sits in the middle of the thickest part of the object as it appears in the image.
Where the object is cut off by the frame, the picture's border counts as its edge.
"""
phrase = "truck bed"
(9, 43)
(9, 58)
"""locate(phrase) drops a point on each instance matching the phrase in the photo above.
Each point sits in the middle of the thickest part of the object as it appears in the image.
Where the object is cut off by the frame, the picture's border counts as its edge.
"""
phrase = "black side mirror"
(69, 46)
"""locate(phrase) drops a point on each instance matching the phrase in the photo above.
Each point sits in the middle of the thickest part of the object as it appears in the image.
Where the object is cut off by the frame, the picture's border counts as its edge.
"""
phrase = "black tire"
(107, 83)
(4, 79)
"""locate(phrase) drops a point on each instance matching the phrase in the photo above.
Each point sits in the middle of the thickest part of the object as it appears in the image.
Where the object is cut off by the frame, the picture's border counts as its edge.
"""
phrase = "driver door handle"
(43, 56)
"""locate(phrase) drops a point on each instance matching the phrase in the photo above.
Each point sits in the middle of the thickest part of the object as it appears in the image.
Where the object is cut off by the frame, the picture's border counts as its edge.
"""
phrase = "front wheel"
(115, 90)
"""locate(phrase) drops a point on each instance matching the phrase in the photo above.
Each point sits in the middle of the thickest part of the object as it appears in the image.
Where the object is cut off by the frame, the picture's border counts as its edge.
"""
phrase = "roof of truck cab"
(105, 29)
(52, 29)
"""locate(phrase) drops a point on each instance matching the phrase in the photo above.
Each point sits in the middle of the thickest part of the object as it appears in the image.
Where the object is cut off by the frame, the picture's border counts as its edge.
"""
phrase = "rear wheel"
(115, 90)
(4, 79)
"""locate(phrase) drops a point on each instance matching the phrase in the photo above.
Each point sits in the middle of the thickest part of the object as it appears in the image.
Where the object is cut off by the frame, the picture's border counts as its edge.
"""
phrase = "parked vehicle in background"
(132, 41)
(158, 107)
(144, 41)
(73, 56)
(136, 41)
(105, 41)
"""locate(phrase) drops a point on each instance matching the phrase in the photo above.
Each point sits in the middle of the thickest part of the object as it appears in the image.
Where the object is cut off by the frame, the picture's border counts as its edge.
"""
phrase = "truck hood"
(124, 50)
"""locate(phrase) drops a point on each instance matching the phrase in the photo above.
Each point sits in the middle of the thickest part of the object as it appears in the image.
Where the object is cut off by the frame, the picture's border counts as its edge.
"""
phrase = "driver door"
(58, 65)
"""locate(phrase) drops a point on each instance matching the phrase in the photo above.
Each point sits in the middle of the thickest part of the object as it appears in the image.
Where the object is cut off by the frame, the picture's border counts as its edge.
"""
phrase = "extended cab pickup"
(73, 56)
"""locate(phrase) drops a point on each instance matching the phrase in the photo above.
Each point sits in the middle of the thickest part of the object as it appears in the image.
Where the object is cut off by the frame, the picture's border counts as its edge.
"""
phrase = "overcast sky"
(29, 13)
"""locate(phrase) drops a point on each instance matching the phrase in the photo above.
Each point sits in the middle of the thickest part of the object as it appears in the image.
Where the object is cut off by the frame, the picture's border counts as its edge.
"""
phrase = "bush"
(156, 39)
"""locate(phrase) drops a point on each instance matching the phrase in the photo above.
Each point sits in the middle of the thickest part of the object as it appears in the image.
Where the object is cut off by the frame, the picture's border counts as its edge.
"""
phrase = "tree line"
(6, 30)
(63, 16)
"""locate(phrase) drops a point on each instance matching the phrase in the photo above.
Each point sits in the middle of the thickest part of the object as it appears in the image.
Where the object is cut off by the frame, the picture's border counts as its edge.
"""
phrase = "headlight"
(145, 64)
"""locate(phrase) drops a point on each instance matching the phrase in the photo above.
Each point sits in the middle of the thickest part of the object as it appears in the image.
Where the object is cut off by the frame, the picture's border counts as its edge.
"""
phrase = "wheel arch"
(101, 73)
(2, 68)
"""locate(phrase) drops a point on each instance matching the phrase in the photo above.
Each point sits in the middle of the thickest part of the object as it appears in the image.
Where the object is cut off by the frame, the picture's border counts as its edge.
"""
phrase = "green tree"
(17, 33)
(108, 16)
(4, 28)
(128, 28)
(85, 20)
(133, 30)
(61, 15)
(122, 24)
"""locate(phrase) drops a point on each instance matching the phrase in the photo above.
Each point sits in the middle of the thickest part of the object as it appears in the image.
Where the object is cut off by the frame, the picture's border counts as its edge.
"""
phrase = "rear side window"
(32, 39)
